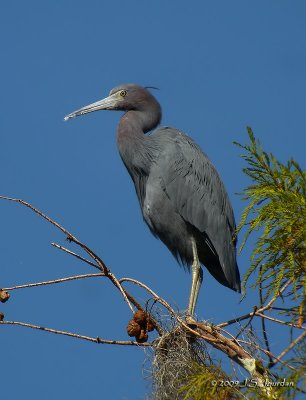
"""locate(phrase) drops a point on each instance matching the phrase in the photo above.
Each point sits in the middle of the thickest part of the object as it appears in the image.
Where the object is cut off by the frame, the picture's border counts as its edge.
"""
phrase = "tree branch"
(263, 324)
(268, 353)
(234, 351)
(279, 321)
(156, 297)
(77, 336)
(211, 334)
(69, 278)
(258, 310)
(102, 266)
(75, 255)
(284, 352)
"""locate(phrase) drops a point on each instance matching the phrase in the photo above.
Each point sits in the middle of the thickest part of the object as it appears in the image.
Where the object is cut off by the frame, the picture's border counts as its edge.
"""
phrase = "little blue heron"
(182, 198)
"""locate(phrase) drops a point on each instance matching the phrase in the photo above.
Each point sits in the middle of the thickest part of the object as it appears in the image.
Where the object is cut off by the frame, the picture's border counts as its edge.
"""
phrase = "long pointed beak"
(109, 103)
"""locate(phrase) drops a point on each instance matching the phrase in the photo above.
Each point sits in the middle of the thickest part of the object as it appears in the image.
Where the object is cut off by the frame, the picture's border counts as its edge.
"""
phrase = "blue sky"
(220, 66)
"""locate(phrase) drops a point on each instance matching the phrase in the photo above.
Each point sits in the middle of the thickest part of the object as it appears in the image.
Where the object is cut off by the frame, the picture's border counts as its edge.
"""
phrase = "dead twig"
(101, 265)
(279, 321)
(284, 352)
(246, 325)
(268, 353)
(258, 310)
(77, 336)
(60, 280)
(75, 255)
(154, 295)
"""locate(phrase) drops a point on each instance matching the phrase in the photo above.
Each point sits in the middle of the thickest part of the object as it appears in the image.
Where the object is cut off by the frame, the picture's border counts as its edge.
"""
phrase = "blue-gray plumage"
(181, 195)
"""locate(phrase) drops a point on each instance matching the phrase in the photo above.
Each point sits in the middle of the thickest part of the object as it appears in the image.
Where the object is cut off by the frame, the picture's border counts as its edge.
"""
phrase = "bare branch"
(101, 265)
(77, 336)
(69, 278)
(268, 353)
(69, 235)
(57, 225)
(156, 297)
(279, 294)
(280, 321)
(75, 255)
(229, 345)
(284, 352)
(237, 319)
(258, 310)
(246, 325)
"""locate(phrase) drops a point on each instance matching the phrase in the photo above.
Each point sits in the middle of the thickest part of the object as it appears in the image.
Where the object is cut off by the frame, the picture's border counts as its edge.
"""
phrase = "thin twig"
(69, 278)
(281, 309)
(156, 297)
(268, 353)
(266, 307)
(246, 325)
(279, 321)
(235, 320)
(39, 213)
(284, 352)
(102, 266)
(139, 307)
(58, 246)
(263, 323)
(77, 336)
(234, 338)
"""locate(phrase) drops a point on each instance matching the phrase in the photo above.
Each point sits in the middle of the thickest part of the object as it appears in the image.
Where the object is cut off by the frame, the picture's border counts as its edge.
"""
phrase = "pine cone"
(150, 326)
(4, 296)
(141, 318)
(143, 337)
(133, 328)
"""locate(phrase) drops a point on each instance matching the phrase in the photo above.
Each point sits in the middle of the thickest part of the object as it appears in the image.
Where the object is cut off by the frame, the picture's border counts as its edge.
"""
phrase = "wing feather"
(194, 187)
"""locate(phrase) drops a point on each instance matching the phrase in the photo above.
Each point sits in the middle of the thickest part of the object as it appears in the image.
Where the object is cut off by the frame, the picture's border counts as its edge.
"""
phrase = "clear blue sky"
(220, 66)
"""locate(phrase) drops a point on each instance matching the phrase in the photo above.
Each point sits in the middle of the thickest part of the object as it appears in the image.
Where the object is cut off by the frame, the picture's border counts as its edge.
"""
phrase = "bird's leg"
(197, 277)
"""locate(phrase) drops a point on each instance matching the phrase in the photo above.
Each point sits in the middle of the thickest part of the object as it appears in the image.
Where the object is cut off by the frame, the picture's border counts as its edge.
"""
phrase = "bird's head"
(122, 98)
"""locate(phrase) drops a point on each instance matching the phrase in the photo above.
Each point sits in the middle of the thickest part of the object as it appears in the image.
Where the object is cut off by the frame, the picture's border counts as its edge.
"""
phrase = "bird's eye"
(123, 93)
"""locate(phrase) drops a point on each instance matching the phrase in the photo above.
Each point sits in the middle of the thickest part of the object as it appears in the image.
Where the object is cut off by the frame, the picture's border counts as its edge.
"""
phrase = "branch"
(263, 323)
(156, 297)
(280, 321)
(101, 265)
(77, 336)
(234, 351)
(211, 334)
(75, 255)
(70, 278)
(268, 353)
(284, 352)
(246, 325)
(257, 311)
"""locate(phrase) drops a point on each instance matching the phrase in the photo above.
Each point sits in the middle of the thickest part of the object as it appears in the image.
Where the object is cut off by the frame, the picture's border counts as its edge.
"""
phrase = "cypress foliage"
(277, 211)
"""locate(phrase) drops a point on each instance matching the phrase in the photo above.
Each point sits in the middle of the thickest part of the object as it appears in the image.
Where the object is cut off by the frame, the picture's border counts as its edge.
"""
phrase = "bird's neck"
(143, 120)
(134, 146)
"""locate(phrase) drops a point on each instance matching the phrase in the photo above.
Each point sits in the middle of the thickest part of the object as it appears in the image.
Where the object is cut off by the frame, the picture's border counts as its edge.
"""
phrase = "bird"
(181, 195)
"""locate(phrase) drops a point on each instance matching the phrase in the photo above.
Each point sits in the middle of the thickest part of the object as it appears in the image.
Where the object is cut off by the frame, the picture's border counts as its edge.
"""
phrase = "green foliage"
(277, 210)
(208, 382)
(298, 376)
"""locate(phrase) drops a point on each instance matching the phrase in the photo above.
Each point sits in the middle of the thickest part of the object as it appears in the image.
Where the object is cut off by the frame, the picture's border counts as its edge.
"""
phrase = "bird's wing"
(194, 187)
